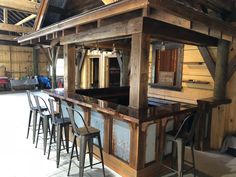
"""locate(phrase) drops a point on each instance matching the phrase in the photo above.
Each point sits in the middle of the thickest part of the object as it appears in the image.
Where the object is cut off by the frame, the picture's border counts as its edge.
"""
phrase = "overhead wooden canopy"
(165, 31)
(112, 13)
(180, 9)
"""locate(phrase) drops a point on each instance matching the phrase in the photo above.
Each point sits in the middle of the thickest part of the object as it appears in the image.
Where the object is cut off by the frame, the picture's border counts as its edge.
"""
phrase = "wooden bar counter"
(132, 139)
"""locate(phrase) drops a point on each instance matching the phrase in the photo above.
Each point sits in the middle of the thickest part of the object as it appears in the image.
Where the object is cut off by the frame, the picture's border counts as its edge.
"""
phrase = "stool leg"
(45, 134)
(71, 155)
(37, 138)
(66, 131)
(194, 169)
(50, 143)
(59, 136)
(35, 113)
(180, 156)
(29, 123)
(90, 147)
(83, 144)
(100, 148)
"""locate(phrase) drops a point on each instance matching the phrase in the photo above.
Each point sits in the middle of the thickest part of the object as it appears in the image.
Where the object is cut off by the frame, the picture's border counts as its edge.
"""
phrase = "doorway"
(114, 72)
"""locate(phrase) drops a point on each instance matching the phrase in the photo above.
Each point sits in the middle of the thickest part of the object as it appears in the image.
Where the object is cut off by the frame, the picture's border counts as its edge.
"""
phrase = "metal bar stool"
(33, 112)
(184, 136)
(86, 134)
(59, 122)
(45, 116)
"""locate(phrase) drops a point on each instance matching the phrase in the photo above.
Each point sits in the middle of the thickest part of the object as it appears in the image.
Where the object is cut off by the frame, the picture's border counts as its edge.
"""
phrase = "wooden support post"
(35, 61)
(139, 71)
(69, 68)
(124, 75)
(80, 61)
(53, 55)
(221, 70)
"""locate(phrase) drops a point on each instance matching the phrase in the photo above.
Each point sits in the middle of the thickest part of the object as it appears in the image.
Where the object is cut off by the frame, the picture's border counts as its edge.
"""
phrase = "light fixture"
(113, 49)
(163, 46)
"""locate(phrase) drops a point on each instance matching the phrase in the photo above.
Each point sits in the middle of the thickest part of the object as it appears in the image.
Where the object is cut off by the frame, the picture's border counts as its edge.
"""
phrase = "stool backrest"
(30, 97)
(188, 126)
(74, 114)
(52, 104)
(40, 102)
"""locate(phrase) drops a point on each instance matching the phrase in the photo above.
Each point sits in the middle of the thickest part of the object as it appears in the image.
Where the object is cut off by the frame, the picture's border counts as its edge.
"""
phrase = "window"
(59, 67)
(167, 66)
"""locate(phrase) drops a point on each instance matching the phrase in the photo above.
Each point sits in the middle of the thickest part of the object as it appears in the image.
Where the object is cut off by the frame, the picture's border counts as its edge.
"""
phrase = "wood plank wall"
(19, 61)
(194, 68)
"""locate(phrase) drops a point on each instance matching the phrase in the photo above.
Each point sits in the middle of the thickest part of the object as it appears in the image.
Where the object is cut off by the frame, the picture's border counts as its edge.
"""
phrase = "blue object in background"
(44, 82)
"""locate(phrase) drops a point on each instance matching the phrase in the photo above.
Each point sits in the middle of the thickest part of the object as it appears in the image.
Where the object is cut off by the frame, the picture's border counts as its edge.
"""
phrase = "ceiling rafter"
(20, 5)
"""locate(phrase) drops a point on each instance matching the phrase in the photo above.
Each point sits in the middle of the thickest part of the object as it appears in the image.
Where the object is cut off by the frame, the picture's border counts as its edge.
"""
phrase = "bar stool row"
(53, 122)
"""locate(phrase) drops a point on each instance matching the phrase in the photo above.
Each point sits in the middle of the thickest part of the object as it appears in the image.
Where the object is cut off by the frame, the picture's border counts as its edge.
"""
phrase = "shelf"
(194, 63)
(196, 82)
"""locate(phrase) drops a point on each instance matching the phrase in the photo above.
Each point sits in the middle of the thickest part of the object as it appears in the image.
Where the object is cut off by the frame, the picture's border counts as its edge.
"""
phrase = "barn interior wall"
(19, 61)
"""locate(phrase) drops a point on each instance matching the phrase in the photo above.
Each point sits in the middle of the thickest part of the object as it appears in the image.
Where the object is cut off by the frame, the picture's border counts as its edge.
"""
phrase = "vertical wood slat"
(107, 134)
(139, 71)
(69, 68)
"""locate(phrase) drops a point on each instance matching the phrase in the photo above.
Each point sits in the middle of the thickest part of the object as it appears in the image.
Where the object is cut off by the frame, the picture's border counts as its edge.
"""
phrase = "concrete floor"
(19, 157)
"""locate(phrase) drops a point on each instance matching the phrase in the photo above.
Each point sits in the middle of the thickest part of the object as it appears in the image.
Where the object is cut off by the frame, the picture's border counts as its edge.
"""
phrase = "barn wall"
(19, 61)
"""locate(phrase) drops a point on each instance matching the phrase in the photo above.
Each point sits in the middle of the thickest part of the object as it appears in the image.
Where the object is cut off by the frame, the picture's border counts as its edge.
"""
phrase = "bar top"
(138, 116)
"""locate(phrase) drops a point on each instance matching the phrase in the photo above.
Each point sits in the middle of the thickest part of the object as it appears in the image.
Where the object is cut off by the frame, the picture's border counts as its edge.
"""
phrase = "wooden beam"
(139, 71)
(69, 68)
(231, 68)
(5, 15)
(30, 17)
(166, 31)
(41, 14)
(46, 55)
(115, 30)
(101, 13)
(108, 1)
(14, 28)
(19, 5)
(208, 59)
(189, 13)
(221, 70)
(8, 37)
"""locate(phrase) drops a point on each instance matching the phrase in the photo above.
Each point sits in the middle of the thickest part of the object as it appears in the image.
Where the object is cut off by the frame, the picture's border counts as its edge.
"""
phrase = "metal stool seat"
(184, 136)
(58, 122)
(33, 112)
(86, 134)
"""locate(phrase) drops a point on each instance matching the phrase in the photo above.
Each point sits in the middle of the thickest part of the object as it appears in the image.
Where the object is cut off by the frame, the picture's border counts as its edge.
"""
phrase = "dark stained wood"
(101, 13)
(208, 59)
(166, 31)
(139, 71)
(69, 68)
(124, 81)
(123, 112)
(118, 29)
(221, 70)
(189, 13)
